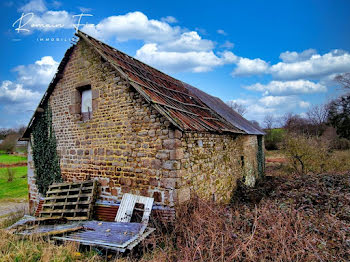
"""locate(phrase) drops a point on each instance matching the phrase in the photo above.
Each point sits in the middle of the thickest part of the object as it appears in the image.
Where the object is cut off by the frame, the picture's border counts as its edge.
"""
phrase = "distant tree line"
(9, 137)
(330, 121)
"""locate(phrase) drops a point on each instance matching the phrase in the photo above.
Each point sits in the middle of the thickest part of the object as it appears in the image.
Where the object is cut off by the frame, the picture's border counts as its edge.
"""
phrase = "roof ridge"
(218, 124)
(131, 57)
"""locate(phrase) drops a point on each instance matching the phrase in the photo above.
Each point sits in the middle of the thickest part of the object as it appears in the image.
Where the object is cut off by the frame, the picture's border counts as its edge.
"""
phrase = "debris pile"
(65, 215)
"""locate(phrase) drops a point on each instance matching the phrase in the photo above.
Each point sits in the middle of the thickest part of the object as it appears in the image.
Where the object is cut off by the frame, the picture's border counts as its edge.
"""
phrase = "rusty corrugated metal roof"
(225, 111)
(185, 106)
(169, 95)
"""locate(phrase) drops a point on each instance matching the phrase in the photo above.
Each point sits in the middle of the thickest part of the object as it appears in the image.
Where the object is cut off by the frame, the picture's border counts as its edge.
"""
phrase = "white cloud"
(38, 74)
(19, 98)
(258, 108)
(169, 19)
(171, 48)
(133, 25)
(51, 21)
(227, 45)
(13, 92)
(291, 57)
(33, 6)
(246, 67)
(194, 61)
(316, 66)
(188, 41)
(167, 47)
(288, 87)
(305, 65)
(281, 101)
(221, 32)
(304, 104)
(255, 109)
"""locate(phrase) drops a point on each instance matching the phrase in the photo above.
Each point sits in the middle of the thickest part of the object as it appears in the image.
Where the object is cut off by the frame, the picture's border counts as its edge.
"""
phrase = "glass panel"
(86, 101)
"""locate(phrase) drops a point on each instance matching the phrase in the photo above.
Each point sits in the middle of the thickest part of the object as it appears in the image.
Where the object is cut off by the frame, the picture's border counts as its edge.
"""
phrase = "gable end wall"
(129, 147)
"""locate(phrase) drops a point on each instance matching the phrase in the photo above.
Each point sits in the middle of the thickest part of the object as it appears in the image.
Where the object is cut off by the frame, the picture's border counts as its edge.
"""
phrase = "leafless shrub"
(343, 79)
(270, 231)
(9, 143)
(269, 121)
(10, 172)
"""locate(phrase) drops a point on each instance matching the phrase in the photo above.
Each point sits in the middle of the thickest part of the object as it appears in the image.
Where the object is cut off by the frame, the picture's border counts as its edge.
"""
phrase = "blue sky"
(271, 56)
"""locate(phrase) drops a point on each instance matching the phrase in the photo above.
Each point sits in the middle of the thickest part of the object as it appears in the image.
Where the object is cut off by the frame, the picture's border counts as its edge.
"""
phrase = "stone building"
(136, 129)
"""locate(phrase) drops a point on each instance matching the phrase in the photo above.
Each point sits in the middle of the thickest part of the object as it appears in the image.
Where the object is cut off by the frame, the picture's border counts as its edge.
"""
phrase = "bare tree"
(269, 121)
(317, 115)
(239, 108)
(9, 143)
(344, 79)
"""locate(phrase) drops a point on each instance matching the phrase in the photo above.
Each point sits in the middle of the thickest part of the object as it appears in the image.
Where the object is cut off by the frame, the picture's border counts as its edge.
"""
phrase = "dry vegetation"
(296, 218)
(293, 214)
(285, 218)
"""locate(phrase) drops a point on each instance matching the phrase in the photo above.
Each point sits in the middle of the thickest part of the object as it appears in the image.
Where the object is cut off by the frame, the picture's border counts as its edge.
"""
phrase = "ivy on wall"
(46, 160)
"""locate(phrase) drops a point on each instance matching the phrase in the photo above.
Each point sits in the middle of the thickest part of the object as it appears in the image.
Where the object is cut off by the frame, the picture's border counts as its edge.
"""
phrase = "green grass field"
(11, 159)
(16, 189)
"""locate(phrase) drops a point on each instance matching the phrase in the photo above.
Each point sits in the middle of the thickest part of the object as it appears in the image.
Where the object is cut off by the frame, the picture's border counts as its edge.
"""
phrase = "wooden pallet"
(73, 201)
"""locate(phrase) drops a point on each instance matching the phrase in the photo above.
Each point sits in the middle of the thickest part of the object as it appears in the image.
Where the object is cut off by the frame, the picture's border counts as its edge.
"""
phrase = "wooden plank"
(67, 203)
(71, 183)
(63, 197)
(70, 190)
(44, 211)
(127, 207)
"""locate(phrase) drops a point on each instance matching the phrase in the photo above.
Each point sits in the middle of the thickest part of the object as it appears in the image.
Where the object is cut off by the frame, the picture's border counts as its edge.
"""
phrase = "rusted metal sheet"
(120, 235)
(171, 95)
(106, 213)
(225, 111)
(111, 235)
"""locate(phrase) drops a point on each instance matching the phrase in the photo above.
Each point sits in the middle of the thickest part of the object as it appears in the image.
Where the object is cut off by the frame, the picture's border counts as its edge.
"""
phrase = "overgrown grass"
(15, 248)
(17, 188)
(11, 159)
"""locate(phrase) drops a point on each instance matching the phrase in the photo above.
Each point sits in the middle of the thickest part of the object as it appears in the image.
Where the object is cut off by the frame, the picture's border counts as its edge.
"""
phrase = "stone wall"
(33, 193)
(127, 145)
(213, 163)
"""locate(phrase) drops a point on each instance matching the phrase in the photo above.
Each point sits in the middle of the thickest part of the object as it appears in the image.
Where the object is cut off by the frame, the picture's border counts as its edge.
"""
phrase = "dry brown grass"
(287, 217)
(296, 218)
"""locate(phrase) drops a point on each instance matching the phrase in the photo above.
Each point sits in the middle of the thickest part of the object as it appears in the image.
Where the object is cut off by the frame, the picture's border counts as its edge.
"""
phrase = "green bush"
(274, 138)
(46, 160)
